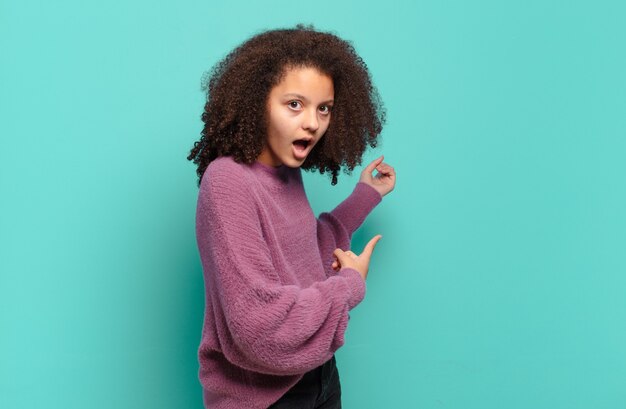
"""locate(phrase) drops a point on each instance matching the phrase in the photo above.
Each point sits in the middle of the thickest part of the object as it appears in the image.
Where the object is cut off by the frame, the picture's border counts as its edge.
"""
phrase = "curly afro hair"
(235, 117)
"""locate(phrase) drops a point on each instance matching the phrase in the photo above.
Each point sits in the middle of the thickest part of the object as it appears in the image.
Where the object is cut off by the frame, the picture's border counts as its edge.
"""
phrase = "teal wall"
(500, 281)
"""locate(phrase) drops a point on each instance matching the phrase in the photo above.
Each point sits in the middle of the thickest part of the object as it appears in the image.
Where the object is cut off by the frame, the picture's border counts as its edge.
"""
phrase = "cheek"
(325, 126)
(275, 128)
(278, 119)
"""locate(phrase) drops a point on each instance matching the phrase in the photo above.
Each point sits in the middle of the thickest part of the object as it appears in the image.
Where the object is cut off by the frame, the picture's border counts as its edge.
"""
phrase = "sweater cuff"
(356, 284)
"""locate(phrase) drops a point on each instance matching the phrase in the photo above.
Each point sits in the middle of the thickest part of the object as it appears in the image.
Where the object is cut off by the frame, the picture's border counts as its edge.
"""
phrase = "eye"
(326, 109)
(294, 104)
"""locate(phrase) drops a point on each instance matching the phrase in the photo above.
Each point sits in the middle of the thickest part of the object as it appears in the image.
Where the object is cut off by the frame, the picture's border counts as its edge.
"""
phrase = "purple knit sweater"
(274, 307)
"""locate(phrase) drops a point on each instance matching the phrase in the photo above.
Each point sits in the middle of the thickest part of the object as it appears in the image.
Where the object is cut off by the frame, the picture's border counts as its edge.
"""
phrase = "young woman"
(278, 285)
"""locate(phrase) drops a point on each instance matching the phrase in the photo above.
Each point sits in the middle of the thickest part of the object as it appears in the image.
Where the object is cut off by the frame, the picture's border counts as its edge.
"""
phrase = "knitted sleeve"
(267, 327)
(335, 229)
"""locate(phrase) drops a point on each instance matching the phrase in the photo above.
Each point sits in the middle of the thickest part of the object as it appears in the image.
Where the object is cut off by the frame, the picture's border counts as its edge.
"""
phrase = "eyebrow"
(305, 99)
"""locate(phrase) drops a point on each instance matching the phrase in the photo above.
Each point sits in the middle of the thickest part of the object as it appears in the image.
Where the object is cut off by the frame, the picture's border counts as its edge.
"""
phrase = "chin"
(293, 163)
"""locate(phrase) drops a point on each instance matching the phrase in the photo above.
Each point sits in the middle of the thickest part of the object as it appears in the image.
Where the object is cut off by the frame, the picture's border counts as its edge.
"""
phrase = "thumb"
(341, 256)
(369, 247)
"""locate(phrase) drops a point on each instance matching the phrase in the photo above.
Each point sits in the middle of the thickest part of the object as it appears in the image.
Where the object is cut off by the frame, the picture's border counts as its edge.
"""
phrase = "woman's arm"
(335, 229)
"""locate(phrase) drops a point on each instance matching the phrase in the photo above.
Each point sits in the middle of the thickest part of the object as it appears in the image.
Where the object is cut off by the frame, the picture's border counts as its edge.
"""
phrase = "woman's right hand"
(360, 263)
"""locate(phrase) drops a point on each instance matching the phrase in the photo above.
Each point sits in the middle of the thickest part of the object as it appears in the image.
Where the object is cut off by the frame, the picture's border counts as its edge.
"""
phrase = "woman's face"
(299, 110)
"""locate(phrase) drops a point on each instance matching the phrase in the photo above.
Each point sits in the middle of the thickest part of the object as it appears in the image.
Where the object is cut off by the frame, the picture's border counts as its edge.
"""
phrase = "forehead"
(305, 81)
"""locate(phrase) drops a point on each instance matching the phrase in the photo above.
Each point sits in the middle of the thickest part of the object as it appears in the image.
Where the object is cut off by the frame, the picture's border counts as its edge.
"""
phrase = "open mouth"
(301, 148)
(301, 144)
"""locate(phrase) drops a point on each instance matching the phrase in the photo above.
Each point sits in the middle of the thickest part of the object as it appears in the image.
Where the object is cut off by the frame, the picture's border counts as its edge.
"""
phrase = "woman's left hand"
(384, 181)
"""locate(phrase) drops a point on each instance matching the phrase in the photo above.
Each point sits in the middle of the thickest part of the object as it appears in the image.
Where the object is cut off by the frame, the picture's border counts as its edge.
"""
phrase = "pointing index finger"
(369, 247)
(370, 168)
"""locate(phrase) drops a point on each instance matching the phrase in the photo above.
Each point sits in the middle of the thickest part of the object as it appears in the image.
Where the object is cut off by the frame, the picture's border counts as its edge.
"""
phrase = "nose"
(310, 120)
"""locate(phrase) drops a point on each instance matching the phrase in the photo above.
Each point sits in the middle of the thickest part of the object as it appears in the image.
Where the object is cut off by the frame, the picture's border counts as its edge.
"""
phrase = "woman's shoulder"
(226, 190)
(225, 164)
(224, 172)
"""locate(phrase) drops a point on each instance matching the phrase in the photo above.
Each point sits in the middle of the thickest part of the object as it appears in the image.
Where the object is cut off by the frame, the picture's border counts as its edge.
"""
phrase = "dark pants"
(318, 389)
